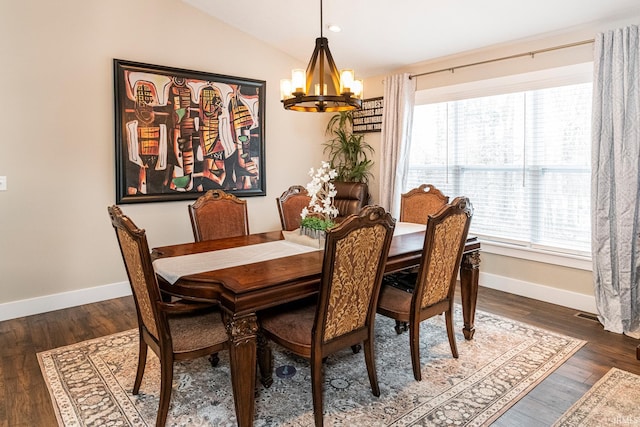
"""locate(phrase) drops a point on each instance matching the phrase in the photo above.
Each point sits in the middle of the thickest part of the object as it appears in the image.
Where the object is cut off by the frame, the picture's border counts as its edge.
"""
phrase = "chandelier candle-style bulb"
(346, 81)
(358, 89)
(285, 89)
(298, 81)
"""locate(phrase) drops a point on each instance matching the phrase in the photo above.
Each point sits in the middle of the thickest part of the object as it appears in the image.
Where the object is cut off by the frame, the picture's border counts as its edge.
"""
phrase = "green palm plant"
(348, 152)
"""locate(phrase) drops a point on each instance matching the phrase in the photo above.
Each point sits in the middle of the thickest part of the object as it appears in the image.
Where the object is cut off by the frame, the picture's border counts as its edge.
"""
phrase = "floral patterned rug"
(612, 401)
(90, 382)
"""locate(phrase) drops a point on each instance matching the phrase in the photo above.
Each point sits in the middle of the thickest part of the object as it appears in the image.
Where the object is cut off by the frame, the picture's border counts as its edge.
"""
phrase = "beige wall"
(57, 143)
(57, 146)
(561, 284)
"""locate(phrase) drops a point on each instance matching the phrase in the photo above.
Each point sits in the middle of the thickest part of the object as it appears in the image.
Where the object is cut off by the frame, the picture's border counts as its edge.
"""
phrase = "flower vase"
(313, 233)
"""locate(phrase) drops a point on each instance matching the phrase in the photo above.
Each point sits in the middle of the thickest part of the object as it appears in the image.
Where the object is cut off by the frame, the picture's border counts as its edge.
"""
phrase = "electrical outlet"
(3, 183)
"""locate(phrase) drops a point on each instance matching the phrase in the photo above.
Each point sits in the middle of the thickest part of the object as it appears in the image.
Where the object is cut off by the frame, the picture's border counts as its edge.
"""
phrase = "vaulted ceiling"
(381, 35)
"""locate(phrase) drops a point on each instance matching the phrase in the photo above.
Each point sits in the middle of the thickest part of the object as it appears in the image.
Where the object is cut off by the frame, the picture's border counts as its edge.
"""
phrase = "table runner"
(172, 268)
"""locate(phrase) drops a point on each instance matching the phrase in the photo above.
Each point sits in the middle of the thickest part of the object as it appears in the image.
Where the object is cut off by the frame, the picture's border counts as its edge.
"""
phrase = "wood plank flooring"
(24, 399)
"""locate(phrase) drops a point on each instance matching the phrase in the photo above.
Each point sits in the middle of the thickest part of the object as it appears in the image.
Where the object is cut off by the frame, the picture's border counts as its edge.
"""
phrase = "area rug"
(90, 382)
(612, 401)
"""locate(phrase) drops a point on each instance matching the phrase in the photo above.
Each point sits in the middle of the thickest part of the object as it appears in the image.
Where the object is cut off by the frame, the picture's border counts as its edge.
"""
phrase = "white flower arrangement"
(320, 213)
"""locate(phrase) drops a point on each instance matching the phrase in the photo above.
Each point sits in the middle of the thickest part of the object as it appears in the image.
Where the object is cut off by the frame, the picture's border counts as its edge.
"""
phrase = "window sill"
(537, 255)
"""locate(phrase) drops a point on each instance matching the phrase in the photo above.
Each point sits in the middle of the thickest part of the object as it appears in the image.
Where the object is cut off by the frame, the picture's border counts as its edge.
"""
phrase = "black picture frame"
(179, 133)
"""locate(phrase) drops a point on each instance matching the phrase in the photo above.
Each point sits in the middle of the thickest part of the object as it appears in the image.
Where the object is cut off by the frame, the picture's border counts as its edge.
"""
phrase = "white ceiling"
(382, 35)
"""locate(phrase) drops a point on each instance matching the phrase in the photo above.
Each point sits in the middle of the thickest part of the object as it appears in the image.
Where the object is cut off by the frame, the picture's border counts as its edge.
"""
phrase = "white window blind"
(522, 158)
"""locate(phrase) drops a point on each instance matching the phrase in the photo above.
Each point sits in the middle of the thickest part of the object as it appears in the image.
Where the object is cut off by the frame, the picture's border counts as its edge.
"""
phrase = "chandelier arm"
(333, 70)
(312, 66)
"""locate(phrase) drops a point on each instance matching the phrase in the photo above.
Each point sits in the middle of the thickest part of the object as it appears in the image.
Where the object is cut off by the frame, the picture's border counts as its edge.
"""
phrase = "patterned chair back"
(137, 262)
(443, 248)
(355, 256)
(217, 215)
(417, 204)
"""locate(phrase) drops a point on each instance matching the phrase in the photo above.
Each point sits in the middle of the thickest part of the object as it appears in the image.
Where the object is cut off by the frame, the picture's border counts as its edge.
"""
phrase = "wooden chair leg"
(214, 359)
(142, 363)
(370, 361)
(414, 345)
(265, 361)
(316, 390)
(401, 327)
(448, 315)
(166, 383)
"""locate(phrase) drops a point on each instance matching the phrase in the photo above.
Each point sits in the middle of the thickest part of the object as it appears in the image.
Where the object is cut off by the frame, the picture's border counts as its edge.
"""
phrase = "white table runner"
(408, 227)
(172, 268)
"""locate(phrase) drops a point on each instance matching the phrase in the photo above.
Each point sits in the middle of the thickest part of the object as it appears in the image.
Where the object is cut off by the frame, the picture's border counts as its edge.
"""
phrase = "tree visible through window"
(523, 159)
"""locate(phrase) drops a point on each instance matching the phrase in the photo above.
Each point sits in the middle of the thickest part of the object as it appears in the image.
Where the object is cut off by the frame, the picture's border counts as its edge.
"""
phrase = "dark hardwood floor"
(24, 399)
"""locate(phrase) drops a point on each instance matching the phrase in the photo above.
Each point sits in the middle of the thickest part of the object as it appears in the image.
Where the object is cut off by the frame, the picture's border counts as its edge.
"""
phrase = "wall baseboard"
(569, 299)
(28, 307)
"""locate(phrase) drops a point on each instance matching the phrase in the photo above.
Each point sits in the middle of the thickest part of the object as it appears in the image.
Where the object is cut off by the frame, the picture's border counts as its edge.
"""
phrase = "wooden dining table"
(243, 290)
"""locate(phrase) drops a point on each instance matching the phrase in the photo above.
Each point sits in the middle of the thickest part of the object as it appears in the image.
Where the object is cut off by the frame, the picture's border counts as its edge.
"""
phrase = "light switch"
(3, 183)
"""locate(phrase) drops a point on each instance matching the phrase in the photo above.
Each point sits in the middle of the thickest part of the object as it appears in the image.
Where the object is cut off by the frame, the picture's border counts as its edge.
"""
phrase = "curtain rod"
(531, 54)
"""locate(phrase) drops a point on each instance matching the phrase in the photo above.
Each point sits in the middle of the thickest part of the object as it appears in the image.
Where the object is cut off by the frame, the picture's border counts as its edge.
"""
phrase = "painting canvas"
(180, 133)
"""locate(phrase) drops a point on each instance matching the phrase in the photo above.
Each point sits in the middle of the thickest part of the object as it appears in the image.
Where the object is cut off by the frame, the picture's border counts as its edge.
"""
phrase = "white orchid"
(322, 191)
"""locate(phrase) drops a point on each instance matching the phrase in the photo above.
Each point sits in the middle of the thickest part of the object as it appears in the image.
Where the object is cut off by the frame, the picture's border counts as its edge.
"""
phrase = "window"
(522, 158)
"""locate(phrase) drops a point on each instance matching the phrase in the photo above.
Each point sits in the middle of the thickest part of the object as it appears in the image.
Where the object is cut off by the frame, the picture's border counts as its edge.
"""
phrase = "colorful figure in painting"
(213, 150)
(184, 136)
(242, 118)
(146, 136)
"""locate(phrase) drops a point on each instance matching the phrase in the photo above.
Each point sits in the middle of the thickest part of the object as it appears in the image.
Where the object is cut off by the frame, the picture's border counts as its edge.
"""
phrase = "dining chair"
(434, 291)
(290, 205)
(350, 198)
(217, 214)
(418, 203)
(178, 330)
(343, 314)
(415, 206)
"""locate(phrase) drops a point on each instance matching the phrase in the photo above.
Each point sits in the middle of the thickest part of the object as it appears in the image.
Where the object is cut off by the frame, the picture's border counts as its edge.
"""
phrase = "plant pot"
(313, 233)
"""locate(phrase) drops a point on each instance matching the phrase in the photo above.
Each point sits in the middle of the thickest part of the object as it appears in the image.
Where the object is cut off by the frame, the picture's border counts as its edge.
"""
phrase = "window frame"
(573, 74)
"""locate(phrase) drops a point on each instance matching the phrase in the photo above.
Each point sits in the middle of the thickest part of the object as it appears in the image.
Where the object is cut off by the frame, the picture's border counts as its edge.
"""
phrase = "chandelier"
(321, 88)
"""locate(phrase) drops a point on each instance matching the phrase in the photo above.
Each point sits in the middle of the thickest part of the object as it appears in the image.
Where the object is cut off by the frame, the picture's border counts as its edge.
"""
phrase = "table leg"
(469, 272)
(242, 354)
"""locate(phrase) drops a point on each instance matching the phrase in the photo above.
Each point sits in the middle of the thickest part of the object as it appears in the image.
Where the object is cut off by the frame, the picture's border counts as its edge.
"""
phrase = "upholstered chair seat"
(293, 324)
(396, 302)
(195, 331)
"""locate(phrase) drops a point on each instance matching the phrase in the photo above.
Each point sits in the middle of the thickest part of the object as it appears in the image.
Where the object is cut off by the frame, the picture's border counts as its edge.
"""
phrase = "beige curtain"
(397, 119)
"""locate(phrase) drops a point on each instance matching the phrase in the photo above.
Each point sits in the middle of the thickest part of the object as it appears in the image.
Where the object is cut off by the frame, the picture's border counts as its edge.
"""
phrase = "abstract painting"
(180, 133)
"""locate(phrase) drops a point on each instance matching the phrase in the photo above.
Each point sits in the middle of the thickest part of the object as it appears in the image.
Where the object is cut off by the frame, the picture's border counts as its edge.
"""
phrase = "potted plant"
(348, 152)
